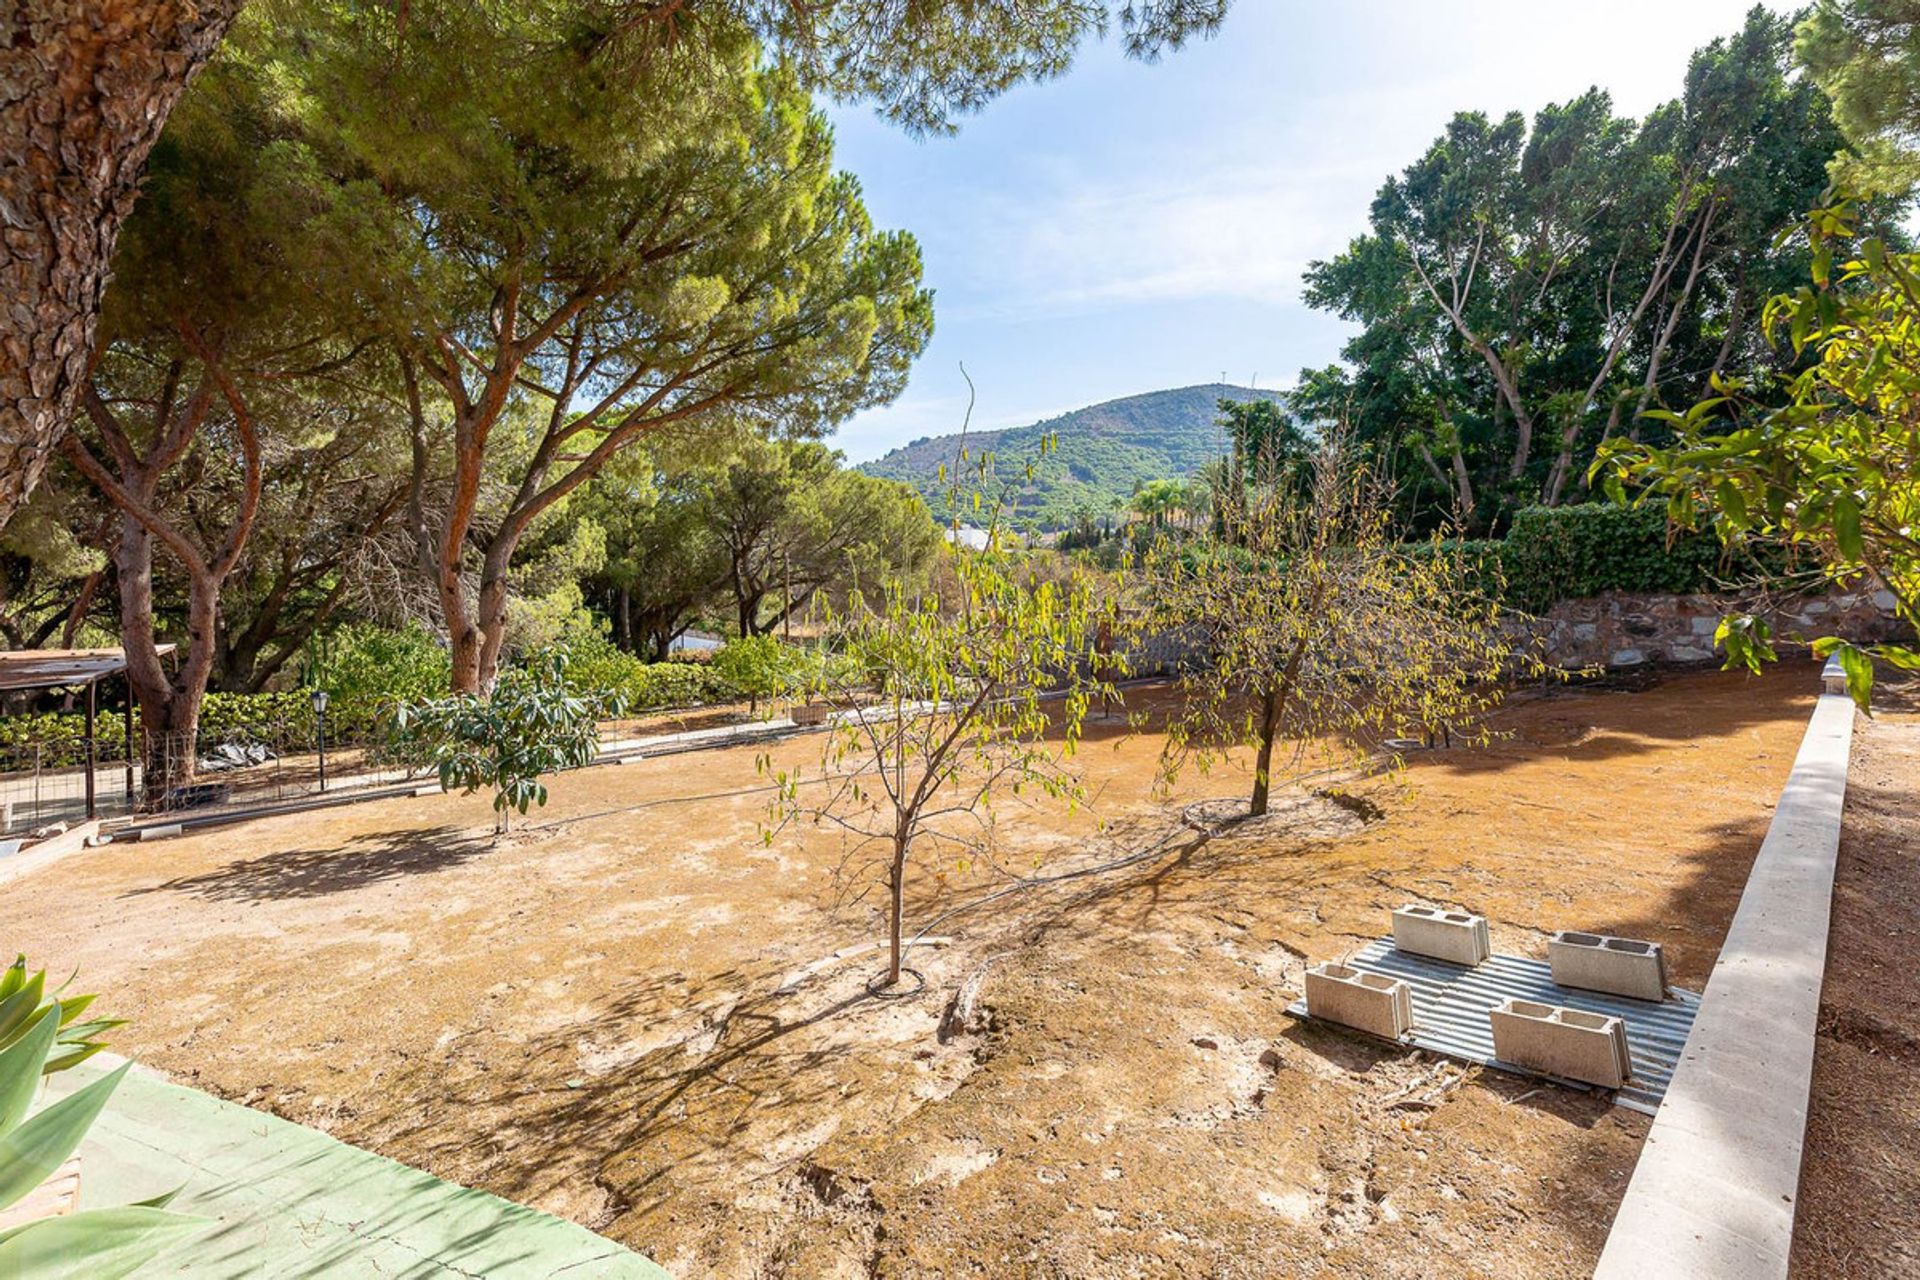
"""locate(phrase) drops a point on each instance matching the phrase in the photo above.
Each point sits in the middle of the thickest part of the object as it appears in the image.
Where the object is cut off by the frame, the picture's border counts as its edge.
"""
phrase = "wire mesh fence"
(258, 766)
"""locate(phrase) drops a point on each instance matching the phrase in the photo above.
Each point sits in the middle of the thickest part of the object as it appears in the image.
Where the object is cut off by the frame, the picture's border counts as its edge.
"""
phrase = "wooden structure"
(24, 670)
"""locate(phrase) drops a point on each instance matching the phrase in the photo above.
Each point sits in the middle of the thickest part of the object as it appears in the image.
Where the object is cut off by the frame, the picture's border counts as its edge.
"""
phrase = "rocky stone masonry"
(1619, 630)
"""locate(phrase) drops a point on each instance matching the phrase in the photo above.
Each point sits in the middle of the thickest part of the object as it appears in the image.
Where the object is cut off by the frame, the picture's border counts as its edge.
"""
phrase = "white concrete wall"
(1713, 1194)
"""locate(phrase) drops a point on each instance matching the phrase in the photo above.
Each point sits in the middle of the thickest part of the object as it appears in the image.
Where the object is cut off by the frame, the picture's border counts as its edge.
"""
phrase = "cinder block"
(1444, 935)
(1369, 1002)
(1596, 962)
(1569, 1043)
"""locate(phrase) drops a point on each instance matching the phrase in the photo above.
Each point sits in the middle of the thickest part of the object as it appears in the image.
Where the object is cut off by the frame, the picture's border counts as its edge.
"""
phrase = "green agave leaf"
(16, 1008)
(160, 1201)
(94, 1244)
(14, 978)
(35, 1149)
(74, 1007)
(20, 1065)
(76, 1055)
(73, 1033)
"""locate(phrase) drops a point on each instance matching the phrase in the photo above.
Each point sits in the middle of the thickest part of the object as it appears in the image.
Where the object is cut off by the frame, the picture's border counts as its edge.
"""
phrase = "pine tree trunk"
(169, 706)
(85, 86)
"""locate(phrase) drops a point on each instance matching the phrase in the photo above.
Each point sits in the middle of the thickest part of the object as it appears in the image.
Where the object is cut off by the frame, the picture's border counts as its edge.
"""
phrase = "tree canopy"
(1866, 55)
(1528, 289)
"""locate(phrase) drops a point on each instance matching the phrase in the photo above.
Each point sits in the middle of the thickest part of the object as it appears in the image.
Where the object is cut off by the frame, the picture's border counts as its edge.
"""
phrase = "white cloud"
(1239, 232)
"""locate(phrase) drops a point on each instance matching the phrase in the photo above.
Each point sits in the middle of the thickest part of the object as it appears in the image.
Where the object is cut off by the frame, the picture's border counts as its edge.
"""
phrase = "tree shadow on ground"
(715, 1103)
(314, 873)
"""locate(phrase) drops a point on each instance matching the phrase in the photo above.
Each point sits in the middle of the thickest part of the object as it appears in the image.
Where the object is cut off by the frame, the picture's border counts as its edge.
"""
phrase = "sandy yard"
(610, 1013)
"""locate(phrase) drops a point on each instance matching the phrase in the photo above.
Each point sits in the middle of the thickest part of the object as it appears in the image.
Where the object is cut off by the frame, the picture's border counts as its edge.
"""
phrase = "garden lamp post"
(319, 700)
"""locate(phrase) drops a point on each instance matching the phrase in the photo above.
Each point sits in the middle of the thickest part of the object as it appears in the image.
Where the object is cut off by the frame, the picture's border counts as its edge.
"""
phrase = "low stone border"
(1713, 1193)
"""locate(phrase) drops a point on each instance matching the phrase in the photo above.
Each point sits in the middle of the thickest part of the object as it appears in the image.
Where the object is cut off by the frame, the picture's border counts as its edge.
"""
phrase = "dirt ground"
(1859, 1210)
(632, 1012)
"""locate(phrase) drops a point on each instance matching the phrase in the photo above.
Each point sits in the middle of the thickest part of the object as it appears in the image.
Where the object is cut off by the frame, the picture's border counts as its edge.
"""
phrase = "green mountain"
(1098, 456)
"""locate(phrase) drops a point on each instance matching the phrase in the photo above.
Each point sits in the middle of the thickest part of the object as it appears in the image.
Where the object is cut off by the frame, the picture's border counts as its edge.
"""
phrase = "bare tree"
(943, 700)
(1317, 627)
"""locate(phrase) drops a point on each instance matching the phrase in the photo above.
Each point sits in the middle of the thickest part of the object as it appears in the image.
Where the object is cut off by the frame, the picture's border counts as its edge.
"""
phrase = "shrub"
(599, 666)
(758, 666)
(533, 724)
(43, 1033)
(369, 672)
(1568, 553)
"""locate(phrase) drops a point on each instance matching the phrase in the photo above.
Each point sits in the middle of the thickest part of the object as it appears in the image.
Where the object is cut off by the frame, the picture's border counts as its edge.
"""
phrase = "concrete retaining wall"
(1713, 1194)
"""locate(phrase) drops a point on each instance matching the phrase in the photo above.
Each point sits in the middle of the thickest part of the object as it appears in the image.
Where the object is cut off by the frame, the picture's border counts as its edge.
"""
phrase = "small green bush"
(759, 666)
(369, 672)
(533, 724)
(598, 666)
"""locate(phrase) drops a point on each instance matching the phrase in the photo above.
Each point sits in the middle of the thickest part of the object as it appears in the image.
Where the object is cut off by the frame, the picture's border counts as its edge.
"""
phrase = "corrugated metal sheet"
(1451, 1003)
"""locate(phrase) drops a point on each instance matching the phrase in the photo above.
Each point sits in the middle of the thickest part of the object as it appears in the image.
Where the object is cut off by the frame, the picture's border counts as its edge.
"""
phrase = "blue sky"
(1129, 227)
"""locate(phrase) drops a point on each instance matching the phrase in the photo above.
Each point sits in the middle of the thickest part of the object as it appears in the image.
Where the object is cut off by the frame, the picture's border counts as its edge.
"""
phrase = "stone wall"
(1618, 630)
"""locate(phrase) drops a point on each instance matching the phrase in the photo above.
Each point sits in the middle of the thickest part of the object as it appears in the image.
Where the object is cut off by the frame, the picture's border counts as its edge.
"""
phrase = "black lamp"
(319, 699)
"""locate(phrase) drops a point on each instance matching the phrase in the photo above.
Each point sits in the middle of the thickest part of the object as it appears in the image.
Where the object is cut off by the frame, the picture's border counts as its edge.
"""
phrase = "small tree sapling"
(532, 725)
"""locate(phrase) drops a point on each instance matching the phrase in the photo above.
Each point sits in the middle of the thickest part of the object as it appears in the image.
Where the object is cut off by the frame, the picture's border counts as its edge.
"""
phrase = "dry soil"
(636, 1013)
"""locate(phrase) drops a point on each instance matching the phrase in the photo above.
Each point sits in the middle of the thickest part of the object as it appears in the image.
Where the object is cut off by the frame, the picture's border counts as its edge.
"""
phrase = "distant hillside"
(1101, 453)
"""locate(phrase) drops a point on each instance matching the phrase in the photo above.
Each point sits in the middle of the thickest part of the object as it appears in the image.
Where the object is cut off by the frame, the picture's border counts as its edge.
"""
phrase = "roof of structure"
(57, 668)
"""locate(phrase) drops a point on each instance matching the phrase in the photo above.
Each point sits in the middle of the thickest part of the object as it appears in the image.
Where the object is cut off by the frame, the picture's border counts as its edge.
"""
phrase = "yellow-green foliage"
(1318, 627)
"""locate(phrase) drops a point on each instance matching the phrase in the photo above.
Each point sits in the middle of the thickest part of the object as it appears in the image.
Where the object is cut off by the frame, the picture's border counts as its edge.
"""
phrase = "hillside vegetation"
(1100, 455)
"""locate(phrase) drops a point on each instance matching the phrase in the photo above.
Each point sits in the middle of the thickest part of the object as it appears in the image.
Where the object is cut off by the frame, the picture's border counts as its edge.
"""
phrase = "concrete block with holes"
(1597, 962)
(1445, 935)
(1569, 1043)
(1369, 1002)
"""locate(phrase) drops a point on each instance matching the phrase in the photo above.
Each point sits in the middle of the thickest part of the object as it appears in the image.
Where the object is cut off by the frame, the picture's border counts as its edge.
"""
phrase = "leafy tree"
(760, 667)
(794, 521)
(532, 725)
(1319, 626)
(210, 345)
(51, 567)
(1167, 502)
(946, 694)
(664, 562)
(921, 64)
(107, 74)
(592, 259)
(1866, 55)
(1834, 470)
(1528, 291)
(327, 499)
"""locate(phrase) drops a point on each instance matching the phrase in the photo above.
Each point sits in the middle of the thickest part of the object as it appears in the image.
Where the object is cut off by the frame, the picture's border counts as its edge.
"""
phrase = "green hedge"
(284, 719)
(1570, 553)
(367, 671)
(598, 667)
